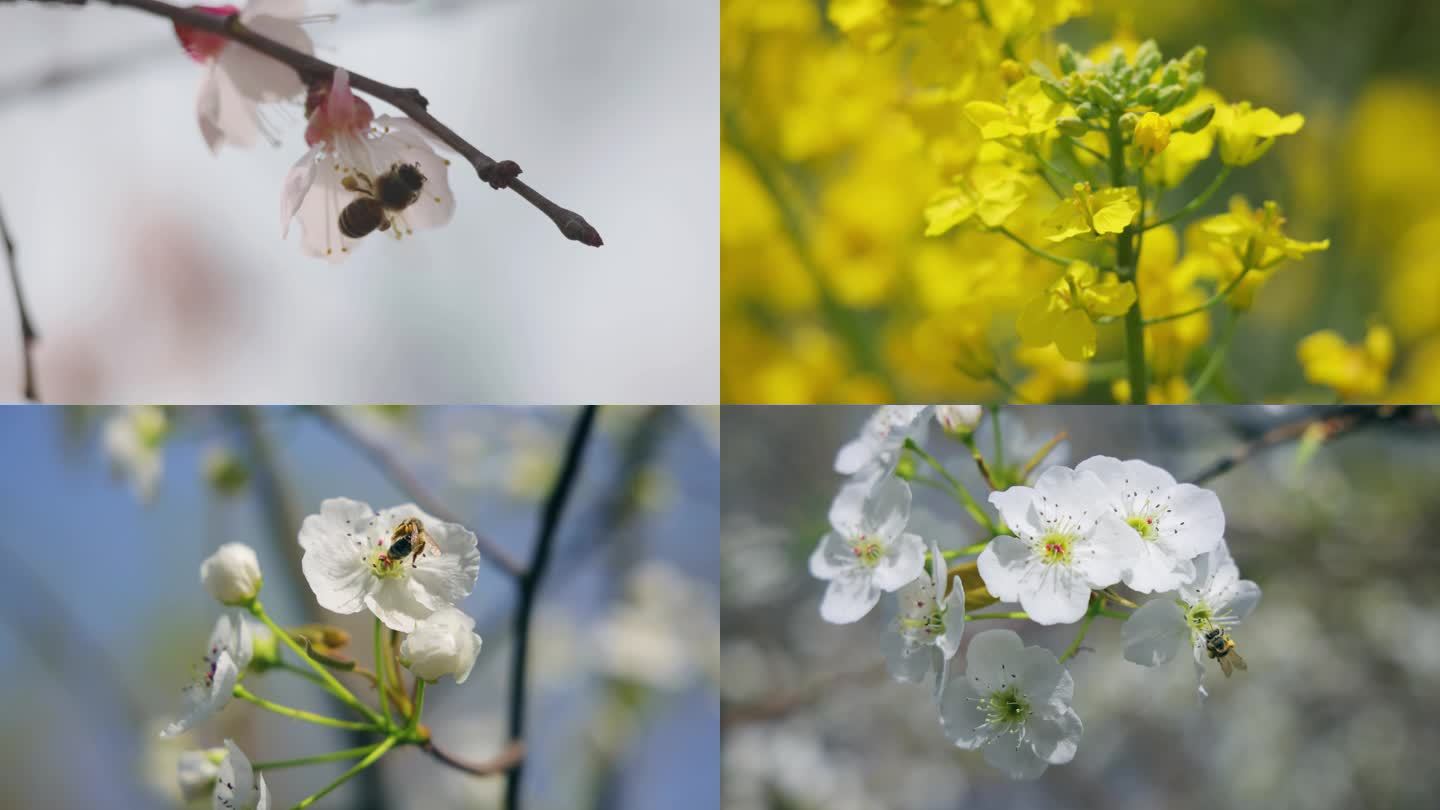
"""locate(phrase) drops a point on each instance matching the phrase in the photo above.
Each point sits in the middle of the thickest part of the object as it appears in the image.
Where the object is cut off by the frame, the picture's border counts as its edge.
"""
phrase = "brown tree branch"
(406, 482)
(499, 174)
(502, 762)
(27, 329)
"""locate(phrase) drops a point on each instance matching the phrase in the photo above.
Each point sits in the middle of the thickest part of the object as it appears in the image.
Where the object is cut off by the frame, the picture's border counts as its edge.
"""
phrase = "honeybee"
(394, 191)
(408, 540)
(1222, 648)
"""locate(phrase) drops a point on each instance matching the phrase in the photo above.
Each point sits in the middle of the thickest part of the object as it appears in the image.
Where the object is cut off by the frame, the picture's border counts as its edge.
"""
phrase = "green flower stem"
(972, 549)
(957, 489)
(334, 686)
(1079, 637)
(381, 667)
(969, 442)
(1217, 357)
(316, 759)
(1214, 299)
(370, 759)
(1195, 204)
(1014, 614)
(419, 705)
(1047, 256)
(304, 673)
(300, 714)
(1126, 262)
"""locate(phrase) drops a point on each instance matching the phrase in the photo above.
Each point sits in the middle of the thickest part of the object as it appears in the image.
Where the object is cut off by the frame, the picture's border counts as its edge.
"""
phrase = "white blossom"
(875, 452)
(237, 786)
(133, 439)
(349, 151)
(196, 772)
(1013, 704)
(867, 552)
(238, 79)
(1066, 542)
(928, 626)
(1162, 627)
(1177, 522)
(960, 420)
(232, 574)
(345, 561)
(226, 656)
(443, 643)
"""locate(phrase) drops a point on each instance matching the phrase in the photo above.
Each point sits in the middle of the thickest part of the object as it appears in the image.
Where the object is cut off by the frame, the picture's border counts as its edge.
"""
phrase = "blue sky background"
(126, 576)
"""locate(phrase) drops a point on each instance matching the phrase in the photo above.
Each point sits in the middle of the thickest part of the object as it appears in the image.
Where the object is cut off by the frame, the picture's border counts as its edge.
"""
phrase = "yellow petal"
(1075, 335)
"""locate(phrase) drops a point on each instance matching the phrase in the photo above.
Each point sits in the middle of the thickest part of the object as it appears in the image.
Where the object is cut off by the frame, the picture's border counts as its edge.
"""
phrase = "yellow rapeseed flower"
(1026, 111)
(1064, 314)
(1255, 236)
(1186, 150)
(1247, 133)
(992, 193)
(1100, 212)
(1152, 133)
(1355, 372)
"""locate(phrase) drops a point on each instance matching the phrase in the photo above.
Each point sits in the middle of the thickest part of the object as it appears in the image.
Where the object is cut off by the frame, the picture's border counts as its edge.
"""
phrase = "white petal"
(854, 456)
(937, 568)
(402, 144)
(847, 511)
(1016, 506)
(1043, 679)
(1002, 567)
(962, 714)
(444, 578)
(848, 599)
(1203, 518)
(887, 510)
(207, 110)
(264, 803)
(1073, 491)
(1111, 548)
(1155, 633)
(832, 558)
(903, 563)
(235, 113)
(297, 185)
(1015, 760)
(202, 702)
(394, 603)
(991, 658)
(1062, 597)
(906, 661)
(1240, 601)
(284, 9)
(1055, 736)
(259, 77)
(1155, 571)
(1132, 475)
(319, 214)
(949, 643)
(335, 544)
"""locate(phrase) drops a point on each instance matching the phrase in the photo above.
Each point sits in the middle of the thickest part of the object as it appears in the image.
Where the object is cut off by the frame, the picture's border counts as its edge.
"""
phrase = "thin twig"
(27, 328)
(1331, 425)
(550, 516)
(499, 174)
(502, 762)
(407, 482)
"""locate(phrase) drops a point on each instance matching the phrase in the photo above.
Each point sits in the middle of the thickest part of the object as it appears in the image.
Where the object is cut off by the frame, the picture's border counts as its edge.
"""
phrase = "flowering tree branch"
(550, 516)
(1327, 426)
(506, 760)
(406, 481)
(312, 71)
(27, 329)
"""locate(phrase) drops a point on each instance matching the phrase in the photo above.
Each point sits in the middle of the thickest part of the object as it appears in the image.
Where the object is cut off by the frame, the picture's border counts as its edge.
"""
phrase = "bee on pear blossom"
(392, 192)
(1221, 647)
(408, 540)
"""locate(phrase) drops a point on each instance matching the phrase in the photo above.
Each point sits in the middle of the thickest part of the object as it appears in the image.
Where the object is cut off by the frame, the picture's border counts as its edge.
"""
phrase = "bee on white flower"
(353, 154)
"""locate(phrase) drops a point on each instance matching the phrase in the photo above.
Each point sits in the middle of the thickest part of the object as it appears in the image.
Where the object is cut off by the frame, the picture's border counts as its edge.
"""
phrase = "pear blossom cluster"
(1111, 538)
(353, 156)
(352, 562)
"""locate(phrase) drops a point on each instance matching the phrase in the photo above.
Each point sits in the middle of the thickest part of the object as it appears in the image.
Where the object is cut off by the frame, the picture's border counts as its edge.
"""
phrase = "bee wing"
(1239, 662)
(1225, 664)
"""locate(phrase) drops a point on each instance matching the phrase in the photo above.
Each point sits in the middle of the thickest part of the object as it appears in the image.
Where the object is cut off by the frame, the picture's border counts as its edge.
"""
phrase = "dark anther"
(499, 175)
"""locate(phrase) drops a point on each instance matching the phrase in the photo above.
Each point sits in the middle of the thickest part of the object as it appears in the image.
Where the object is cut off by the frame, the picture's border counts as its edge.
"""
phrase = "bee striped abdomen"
(361, 216)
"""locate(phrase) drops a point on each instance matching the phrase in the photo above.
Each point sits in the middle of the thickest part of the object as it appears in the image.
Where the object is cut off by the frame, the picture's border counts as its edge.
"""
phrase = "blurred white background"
(156, 273)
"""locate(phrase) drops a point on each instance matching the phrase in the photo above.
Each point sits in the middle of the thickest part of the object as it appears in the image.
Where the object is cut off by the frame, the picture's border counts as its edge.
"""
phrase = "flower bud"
(1054, 91)
(232, 574)
(1087, 111)
(1198, 120)
(1069, 61)
(1152, 133)
(1072, 126)
(443, 644)
(1168, 99)
(265, 648)
(197, 771)
(1011, 71)
(225, 472)
(959, 420)
(1194, 58)
(1193, 84)
(1170, 75)
(1128, 122)
(1147, 95)
(1147, 58)
(1103, 97)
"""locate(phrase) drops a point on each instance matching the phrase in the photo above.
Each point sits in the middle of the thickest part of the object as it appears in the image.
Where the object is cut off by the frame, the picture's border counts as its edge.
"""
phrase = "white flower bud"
(443, 644)
(232, 574)
(197, 771)
(959, 419)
